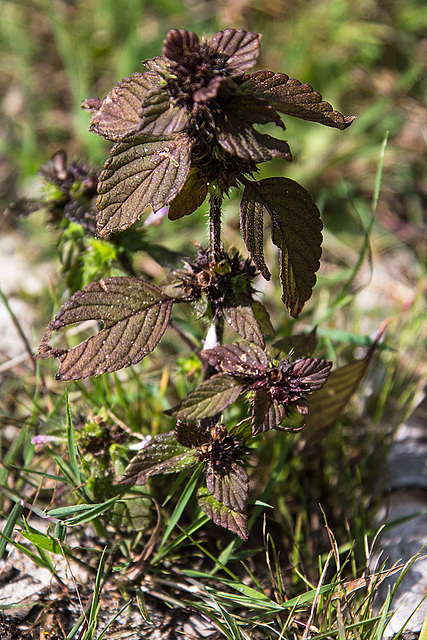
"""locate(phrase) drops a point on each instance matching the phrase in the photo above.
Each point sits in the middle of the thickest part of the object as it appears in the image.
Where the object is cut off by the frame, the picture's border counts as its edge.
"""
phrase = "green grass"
(296, 576)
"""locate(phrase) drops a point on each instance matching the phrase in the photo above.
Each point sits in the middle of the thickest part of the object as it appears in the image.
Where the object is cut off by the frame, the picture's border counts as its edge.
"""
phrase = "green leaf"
(209, 398)
(263, 319)
(239, 313)
(163, 454)
(222, 515)
(290, 96)
(119, 113)
(135, 315)
(328, 403)
(43, 542)
(140, 171)
(296, 231)
(191, 196)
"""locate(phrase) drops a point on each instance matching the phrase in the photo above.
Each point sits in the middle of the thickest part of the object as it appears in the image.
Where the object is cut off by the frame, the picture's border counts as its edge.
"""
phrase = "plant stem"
(215, 228)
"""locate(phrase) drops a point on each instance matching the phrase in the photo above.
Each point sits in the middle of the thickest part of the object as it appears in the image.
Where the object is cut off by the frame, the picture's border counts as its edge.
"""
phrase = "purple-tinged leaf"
(221, 515)
(134, 313)
(266, 414)
(140, 171)
(238, 312)
(239, 48)
(327, 404)
(211, 397)
(296, 231)
(252, 228)
(300, 344)
(290, 96)
(162, 454)
(240, 139)
(180, 43)
(230, 487)
(118, 114)
(191, 196)
(256, 110)
(312, 372)
(158, 115)
(192, 435)
(238, 359)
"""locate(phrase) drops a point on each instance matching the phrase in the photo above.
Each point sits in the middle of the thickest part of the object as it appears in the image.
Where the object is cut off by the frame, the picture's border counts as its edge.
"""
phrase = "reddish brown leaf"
(140, 171)
(290, 96)
(240, 49)
(134, 313)
(118, 114)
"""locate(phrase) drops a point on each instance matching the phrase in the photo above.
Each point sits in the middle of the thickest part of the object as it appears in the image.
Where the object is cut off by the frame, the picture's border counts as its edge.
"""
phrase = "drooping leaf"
(230, 487)
(238, 47)
(256, 110)
(296, 231)
(266, 414)
(159, 116)
(328, 403)
(290, 96)
(239, 358)
(221, 515)
(211, 397)
(163, 454)
(191, 196)
(240, 139)
(134, 313)
(140, 171)
(118, 114)
(238, 312)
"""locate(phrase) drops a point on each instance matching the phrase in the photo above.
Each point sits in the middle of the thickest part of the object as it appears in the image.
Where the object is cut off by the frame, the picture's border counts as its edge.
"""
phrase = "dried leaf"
(238, 47)
(208, 399)
(328, 403)
(140, 171)
(238, 312)
(191, 196)
(239, 359)
(162, 454)
(296, 230)
(118, 114)
(290, 96)
(135, 315)
(221, 515)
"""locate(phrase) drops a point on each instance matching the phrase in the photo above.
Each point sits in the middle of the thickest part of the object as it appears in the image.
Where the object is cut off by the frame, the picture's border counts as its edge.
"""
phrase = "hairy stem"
(215, 228)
